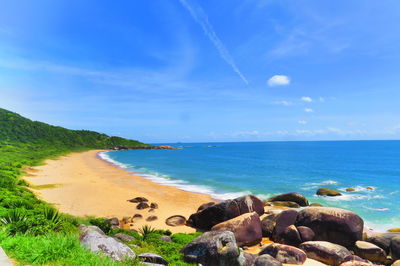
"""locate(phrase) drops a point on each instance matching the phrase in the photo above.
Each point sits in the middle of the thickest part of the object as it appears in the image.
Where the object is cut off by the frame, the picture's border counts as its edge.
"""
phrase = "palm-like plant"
(13, 216)
(146, 231)
(52, 215)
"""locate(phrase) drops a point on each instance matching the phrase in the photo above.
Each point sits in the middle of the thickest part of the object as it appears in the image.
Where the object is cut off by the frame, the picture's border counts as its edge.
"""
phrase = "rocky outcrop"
(328, 192)
(306, 234)
(370, 252)
(175, 220)
(382, 240)
(395, 248)
(332, 224)
(290, 236)
(285, 253)
(152, 258)
(205, 206)
(213, 248)
(325, 252)
(93, 239)
(124, 237)
(245, 227)
(267, 260)
(291, 197)
(226, 210)
(268, 224)
(285, 219)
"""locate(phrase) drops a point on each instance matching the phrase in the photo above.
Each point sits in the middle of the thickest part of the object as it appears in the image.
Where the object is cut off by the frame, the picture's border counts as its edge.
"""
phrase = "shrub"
(101, 223)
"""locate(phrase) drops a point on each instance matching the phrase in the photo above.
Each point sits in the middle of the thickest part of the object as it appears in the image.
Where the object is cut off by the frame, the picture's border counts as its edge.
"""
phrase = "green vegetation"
(32, 231)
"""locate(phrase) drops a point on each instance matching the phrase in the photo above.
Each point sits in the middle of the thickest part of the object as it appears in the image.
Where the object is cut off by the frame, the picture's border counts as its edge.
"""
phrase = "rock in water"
(267, 260)
(224, 211)
(285, 253)
(325, 252)
(93, 239)
(370, 252)
(293, 197)
(213, 248)
(245, 227)
(332, 224)
(152, 258)
(328, 192)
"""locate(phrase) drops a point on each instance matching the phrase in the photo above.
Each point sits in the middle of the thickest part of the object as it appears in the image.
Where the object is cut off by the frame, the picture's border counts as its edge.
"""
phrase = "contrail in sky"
(201, 18)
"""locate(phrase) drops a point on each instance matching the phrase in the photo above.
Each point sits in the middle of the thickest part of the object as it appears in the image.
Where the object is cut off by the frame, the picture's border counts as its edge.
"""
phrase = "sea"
(265, 169)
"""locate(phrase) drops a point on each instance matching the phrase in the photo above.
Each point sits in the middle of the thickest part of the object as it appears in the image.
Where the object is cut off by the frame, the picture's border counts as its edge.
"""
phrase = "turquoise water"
(228, 170)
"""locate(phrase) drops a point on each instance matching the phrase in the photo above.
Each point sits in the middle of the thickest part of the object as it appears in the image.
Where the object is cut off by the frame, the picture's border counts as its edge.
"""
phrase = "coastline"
(83, 184)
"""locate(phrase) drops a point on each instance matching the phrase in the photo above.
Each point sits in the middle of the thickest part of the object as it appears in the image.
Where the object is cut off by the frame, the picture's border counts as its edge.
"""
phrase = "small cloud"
(308, 110)
(321, 99)
(278, 80)
(285, 103)
(306, 99)
(302, 122)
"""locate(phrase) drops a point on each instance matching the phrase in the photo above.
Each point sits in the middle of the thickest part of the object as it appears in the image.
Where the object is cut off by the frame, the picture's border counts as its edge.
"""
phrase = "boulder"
(285, 219)
(124, 237)
(138, 199)
(332, 224)
(328, 192)
(394, 230)
(291, 197)
(175, 220)
(151, 218)
(395, 248)
(113, 221)
(249, 259)
(396, 263)
(224, 211)
(205, 206)
(151, 210)
(93, 239)
(290, 236)
(213, 248)
(306, 233)
(382, 240)
(289, 204)
(245, 227)
(142, 205)
(350, 189)
(267, 260)
(154, 205)
(370, 252)
(285, 253)
(166, 238)
(354, 260)
(152, 258)
(325, 252)
(268, 224)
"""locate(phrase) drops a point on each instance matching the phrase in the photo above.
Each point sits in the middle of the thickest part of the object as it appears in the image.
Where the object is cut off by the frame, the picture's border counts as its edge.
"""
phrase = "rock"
(289, 204)
(370, 252)
(205, 205)
(249, 258)
(396, 263)
(268, 224)
(175, 220)
(332, 224)
(213, 248)
(354, 260)
(315, 205)
(138, 199)
(350, 189)
(370, 188)
(328, 192)
(267, 260)
(152, 258)
(285, 219)
(382, 240)
(166, 238)
(394, 230)
(290, 236)
(325, 252)
(224, 211)
(395, 248)
(292, 197)
(306, 233)
(136, 217)
(124, 237)
(151, 210)
(151, 218)
(154, 205)
(113, 221)
(285, 253)
(142, 205)
(245, 227)
(93, 239)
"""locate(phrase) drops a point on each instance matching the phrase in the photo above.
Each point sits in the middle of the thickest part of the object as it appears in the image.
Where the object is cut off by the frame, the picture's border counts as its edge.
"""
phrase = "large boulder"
(176, 220)
(370, 252)
(93, 239)
(395, 248)
(267, 260)
(213, 248)
(290, 236)
(328, 192)
(285, 219)
(245, 227)
(226, 210)
(354, 260)
(249, 259)
(285, 253)
(325, 252)
(306, 234)
(268, 224)
(292, 197)
(205, 205)
(332, 224)
(382, 240)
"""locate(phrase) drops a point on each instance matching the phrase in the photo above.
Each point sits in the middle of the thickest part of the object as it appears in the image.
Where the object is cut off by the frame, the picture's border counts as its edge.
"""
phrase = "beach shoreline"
(83, 184)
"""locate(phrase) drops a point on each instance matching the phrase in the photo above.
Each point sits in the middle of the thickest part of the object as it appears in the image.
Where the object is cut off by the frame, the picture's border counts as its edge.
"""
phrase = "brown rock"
(395, 248)
(142, 205)
(350, 189)
(354, 260)
(205, 206)
(266, 260)
(328, 192)
(290, 236)
(246, 228)
(151, 218)
(285, 253)
(306, 233)
(268, 224)
(396, 263)
(290, 197)
(394, 230)
(124, 237)
(289, 204)
(136, 216)
(285, 219)
(370, 252)
(382, 240)
(325, 252)
(175, 220)
(154, 205)
(138, 199)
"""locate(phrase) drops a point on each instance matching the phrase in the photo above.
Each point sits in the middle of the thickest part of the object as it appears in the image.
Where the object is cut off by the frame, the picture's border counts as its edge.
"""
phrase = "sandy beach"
(81, 184)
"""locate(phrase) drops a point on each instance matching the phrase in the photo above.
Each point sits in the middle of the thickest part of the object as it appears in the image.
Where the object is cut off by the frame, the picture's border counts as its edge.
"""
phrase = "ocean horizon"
(227, 170)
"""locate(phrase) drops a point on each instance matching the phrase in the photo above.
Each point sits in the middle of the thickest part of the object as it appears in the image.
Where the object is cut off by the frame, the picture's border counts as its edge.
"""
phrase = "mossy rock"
(394, 230)
(328, 192)
(350, 189)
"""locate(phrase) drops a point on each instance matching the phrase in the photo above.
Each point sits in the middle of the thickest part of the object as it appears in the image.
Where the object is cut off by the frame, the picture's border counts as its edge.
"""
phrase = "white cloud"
(306, 99)
(302, 122)
(308, 110)
(285, 103)
(278, 80)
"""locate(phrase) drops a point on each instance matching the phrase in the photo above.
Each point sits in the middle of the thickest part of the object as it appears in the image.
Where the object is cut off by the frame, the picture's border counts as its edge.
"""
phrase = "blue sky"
(191, 70)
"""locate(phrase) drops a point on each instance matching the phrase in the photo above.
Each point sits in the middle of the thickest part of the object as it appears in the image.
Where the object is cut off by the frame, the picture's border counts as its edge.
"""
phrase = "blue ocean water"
(228, 170)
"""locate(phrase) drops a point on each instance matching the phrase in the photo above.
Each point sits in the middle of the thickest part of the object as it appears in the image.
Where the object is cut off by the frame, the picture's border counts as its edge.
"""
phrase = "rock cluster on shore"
(328, 235)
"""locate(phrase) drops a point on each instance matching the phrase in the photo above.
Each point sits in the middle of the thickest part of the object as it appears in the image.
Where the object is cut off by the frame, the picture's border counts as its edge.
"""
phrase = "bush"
(101, 223)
